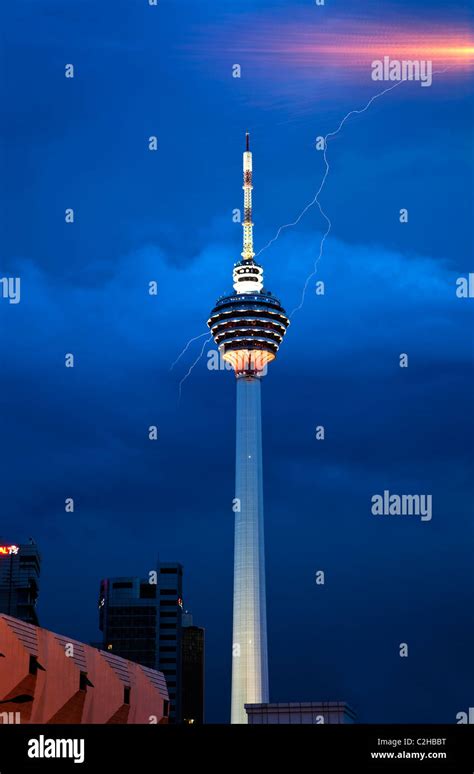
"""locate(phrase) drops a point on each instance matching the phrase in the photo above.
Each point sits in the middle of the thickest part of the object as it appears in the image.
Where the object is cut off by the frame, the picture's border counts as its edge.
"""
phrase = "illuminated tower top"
(248, 326)
(247, 252)
(247, 275)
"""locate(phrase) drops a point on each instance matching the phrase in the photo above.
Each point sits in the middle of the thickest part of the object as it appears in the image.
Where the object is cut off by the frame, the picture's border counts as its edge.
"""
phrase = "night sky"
(166, 216)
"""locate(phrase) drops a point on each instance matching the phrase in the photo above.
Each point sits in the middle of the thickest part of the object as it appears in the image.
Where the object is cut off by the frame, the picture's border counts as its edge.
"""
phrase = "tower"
(248, 327)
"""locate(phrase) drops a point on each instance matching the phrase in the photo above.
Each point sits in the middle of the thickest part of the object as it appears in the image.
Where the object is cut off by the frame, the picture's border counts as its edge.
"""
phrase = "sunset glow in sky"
(339, 43)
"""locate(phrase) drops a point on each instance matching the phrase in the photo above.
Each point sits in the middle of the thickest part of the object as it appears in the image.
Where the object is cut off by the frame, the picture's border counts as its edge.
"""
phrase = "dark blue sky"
(167, 216)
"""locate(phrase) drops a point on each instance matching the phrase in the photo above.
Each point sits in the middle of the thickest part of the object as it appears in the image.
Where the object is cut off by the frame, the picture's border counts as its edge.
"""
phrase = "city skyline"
(167, 216)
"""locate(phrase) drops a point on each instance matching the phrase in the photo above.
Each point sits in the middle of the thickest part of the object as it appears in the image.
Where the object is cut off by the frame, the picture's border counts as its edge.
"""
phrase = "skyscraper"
(248, 327)
(192, 670)
(19, 581)
(141, 621)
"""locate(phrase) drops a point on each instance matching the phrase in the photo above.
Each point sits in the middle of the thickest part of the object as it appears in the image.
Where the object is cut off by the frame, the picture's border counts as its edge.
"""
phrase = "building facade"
(248, 327)
(49, 678)
(192, 668)
(20, 567)
(141, 620)
(300, 713)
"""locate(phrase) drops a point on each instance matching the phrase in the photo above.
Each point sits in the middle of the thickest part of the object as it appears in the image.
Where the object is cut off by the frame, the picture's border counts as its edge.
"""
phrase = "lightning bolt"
(187, 347)
(315, 199)
(194, 364)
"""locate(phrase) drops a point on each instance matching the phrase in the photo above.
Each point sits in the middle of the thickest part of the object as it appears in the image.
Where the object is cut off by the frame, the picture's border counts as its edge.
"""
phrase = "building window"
(166, 708)
(84, 682)
(168, 637)
(126, 694)
(33, 665)
(168, 602)
(122, 585)
(167, 649)
(169, 591)
(30, 560)
(168, 660)
(169, 571)
(147, 591)
(167, 626)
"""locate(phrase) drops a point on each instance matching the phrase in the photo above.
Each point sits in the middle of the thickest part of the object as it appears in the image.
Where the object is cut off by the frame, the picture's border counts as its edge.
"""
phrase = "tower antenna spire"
(247, 252)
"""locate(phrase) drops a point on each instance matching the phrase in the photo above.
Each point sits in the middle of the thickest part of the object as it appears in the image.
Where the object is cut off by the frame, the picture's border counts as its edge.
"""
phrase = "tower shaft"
(249, 643)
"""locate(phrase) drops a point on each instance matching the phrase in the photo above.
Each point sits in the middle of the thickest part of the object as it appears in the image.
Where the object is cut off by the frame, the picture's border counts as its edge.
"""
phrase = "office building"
(141, 620)
(19, 581)
(192, 666)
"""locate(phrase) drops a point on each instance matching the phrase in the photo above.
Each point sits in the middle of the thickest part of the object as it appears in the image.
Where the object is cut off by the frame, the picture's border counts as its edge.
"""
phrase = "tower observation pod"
(248, 327)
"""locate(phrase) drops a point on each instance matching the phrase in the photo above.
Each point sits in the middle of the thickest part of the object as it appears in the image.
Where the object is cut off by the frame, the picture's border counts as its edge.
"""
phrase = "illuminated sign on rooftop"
(9, 550)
